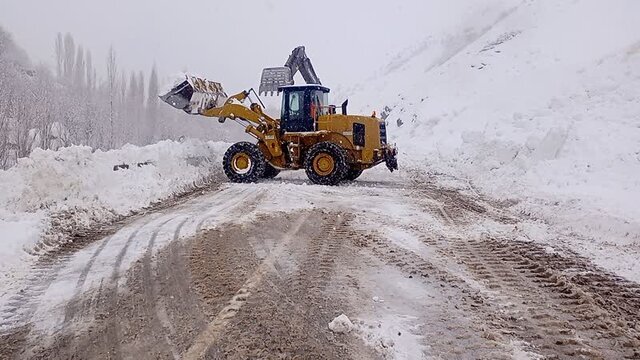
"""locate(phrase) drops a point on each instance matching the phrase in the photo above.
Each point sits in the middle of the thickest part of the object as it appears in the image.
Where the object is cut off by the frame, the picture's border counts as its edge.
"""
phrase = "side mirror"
(344, 107)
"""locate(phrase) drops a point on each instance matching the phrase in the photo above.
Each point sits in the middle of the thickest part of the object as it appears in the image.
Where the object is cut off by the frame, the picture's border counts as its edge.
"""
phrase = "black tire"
(352, 174)
(233, 166)
(270, 172)
(322, 153)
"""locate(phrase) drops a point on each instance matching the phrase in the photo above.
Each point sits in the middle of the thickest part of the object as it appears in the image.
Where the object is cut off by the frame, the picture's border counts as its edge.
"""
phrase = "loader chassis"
(337, 129)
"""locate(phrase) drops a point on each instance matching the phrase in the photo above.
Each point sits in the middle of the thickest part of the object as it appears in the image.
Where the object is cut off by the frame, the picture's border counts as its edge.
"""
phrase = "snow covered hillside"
(530, 102)
(77, 188)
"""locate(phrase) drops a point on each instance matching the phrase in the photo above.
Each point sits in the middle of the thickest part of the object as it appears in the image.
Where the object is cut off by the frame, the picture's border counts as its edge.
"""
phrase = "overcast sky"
(228, 41)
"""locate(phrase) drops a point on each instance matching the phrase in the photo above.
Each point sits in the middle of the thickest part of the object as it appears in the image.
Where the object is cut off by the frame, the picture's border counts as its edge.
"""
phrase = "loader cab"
(301, 106)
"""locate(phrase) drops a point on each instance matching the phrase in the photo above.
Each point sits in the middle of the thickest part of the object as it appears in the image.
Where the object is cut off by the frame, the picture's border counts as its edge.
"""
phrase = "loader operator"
(314, 107)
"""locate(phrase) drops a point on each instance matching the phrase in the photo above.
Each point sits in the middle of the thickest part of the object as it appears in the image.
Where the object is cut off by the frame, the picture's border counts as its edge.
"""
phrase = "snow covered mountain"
(530, 101)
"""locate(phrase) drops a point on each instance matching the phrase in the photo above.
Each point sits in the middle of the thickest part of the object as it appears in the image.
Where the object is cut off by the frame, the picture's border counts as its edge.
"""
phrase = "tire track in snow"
(101, 305)
(123, 251)
(543, 307)
(108, 294)
(288, 312)
(213, 330)
(144, 284)
(72, 307)
(174, 283)
(149, 291)
(21, 307)
(533, 299)
(109, 297)
(231, 201)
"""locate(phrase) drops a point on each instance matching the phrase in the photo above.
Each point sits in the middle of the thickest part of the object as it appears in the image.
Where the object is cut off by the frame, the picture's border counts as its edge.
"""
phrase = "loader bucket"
(273, 78)
(179, 96)
(194, 95)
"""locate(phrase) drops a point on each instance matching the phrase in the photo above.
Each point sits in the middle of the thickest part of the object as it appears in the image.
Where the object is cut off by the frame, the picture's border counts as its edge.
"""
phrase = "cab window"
(295, 102)
(320, 100)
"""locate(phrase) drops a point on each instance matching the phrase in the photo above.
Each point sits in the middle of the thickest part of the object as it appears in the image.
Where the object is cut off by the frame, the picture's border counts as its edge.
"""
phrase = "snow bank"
(534, 101)
(76, 187)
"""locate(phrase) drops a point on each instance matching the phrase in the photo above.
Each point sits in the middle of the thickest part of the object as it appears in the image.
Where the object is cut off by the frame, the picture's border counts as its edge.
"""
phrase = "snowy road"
(259, 270)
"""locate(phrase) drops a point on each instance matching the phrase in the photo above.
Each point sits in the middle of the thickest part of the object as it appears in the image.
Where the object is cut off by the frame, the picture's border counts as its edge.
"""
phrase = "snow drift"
(76, 188)
(535, 102)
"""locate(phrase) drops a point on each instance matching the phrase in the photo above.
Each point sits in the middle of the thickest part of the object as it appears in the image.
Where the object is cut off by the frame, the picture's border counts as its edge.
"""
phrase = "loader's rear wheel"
(326, 163)
(244, 163)
(270, 172)
(352, 174)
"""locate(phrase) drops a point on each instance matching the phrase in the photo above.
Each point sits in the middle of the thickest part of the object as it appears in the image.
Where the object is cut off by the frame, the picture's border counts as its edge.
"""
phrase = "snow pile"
(537, 102)
(341, 324)
(75, 188)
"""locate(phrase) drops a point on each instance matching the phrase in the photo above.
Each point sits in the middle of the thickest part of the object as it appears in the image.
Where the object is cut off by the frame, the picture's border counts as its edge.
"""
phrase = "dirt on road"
(407, 264)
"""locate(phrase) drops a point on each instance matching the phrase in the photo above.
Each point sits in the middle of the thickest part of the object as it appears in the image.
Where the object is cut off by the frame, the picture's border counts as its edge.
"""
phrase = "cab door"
(295, 116)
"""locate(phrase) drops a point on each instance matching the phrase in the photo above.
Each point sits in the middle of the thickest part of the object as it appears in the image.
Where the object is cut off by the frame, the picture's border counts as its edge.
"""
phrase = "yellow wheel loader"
(309, 135)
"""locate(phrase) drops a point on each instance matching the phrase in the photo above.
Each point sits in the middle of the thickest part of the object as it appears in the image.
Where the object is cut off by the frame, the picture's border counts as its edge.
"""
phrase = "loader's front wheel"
(244, 163)
(326, 163)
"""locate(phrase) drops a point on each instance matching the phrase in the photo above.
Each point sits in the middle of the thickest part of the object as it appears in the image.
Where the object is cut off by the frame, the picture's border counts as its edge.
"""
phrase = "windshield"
(321, 100)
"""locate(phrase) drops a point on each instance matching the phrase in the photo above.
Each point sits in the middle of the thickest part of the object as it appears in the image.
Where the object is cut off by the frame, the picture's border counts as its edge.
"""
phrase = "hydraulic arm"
(253, 118)
(199, 96)
(298, 61)
(275, 77)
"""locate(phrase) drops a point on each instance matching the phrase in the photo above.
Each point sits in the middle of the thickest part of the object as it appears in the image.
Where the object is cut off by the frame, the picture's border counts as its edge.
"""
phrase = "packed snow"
(76, 188)
(341, 324)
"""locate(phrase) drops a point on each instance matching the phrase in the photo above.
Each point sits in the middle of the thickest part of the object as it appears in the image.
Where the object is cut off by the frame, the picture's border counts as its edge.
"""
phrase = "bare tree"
(89, 73)
(59, 53)
(133, 90)
(152, 104)
(133, 107)
(73, 106)
(141, 90)
(112, 71)
(69, 57)
(79, 69)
